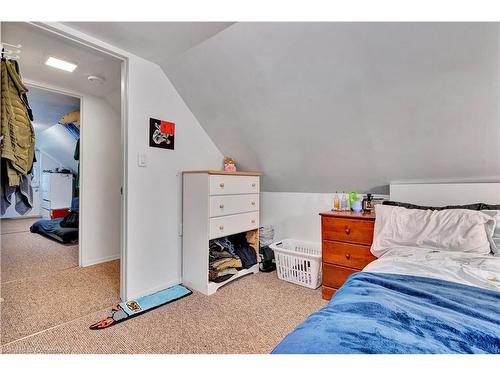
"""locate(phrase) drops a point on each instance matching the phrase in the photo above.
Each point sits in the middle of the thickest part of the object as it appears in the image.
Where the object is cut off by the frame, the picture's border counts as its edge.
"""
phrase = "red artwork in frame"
(161, 134)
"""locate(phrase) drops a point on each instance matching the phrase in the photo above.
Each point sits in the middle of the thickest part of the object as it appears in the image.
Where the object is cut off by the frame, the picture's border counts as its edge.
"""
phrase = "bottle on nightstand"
(343, 202)
(336, 204)
(368, 203)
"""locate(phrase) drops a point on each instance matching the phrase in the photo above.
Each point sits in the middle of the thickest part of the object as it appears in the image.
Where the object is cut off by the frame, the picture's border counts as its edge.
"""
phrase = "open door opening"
(61, 256)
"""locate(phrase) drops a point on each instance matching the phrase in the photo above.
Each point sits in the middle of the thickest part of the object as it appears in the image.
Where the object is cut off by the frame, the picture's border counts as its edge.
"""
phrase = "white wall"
(46, 162)
(100, 182)
(326, 106)
(295, 215)
(154, 192)
(59, 144)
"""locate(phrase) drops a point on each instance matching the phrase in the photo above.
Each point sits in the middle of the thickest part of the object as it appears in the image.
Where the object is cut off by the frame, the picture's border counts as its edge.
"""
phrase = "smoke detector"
(96, 79)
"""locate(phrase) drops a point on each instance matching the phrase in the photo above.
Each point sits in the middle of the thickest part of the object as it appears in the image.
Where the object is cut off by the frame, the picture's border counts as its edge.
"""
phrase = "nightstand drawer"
(349, 230)
(347, 254)
(327, 293)
(335, 276)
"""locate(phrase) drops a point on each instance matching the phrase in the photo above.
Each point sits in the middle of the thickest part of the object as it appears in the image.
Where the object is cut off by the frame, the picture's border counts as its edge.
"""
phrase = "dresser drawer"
(224, 185)
(327, 292)
(347, 254)
(231, 224)
(221, 205)
(335, 276)
(356, 231)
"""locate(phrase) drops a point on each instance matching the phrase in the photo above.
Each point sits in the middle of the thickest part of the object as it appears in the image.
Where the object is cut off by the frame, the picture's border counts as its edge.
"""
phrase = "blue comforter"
(388, 313)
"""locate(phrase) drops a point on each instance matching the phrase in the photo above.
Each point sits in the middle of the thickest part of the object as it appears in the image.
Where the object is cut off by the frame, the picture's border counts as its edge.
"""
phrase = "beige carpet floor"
(42, 286)
(16, 225)
(250, 315)
(32, 305)
(24, 254)
(49, 303)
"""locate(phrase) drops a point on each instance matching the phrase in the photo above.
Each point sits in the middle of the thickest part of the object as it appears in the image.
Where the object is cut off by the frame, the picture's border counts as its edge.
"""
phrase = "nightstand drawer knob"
(253, 203)
(253, 185)
(348, 256)
(253, 221)
(221, 227)
(221, 206)
(221, 184)
(347, 230)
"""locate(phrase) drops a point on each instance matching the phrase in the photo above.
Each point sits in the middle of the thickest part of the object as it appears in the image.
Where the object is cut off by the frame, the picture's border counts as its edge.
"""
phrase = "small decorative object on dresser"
(229, 164)
(346, 240)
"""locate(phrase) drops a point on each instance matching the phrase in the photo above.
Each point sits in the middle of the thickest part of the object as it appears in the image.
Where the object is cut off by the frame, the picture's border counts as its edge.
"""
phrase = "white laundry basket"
(298, 262)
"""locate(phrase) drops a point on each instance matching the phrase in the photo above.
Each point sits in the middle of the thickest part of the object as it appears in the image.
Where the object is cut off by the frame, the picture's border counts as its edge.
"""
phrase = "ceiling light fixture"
(60, 64)
(96, 79)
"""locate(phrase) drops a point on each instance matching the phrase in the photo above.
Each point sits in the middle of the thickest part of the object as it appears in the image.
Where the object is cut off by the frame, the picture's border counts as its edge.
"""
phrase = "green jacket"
(18, 142)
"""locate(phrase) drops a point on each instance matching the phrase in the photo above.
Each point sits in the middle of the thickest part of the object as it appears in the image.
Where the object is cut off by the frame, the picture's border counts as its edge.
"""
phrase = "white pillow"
(446, 230)
(495, 239)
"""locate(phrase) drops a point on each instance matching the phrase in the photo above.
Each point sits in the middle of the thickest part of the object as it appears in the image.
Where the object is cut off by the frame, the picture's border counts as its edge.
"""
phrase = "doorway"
(66, 280)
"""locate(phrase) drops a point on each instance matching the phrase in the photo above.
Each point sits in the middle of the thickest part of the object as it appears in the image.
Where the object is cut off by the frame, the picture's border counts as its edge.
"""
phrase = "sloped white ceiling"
(53, 139)
(320, 107)
(38, 45)
(48, 107)
(59, 145)
(158, 42)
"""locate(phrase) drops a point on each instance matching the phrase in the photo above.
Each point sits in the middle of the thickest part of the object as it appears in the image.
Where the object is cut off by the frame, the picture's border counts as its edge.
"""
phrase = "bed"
(433, 289)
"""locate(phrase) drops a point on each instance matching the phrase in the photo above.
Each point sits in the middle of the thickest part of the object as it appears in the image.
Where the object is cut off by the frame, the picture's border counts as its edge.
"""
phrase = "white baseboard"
(93, 262)
(153, 290)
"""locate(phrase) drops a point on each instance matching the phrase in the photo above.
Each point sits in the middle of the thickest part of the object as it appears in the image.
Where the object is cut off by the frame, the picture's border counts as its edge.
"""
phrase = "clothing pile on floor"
(230, 254)
(64, 230)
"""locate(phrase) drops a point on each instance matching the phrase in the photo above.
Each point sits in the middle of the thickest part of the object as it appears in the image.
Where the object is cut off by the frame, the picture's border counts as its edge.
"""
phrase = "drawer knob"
(221, 184)
(221, 206)
(348, 256)
(347, 230)
(253, 203)
(253, 221)
(253, 185)
(221, 227)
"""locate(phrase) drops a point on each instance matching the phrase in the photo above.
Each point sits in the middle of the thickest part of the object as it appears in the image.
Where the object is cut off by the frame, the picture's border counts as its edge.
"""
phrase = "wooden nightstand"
(346, 240)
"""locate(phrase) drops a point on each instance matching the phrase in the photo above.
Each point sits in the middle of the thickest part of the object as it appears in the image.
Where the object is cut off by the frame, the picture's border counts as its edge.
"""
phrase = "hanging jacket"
(24, 97)
(18, 142)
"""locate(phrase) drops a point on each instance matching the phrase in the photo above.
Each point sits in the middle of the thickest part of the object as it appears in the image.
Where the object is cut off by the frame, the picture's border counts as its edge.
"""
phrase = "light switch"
(142, 159)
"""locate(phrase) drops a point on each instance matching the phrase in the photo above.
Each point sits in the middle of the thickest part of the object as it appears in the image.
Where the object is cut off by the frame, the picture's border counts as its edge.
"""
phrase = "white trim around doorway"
(83, 39)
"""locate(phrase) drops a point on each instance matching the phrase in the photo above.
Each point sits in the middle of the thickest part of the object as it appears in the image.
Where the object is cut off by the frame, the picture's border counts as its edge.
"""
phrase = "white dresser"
(57, 192)
(215, 204)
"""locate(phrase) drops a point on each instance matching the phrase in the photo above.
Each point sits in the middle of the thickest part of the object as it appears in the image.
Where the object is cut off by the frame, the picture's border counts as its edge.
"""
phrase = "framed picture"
(161, 134)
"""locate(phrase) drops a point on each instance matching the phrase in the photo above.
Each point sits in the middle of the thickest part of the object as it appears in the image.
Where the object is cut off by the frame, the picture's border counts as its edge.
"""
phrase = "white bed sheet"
(482, 271)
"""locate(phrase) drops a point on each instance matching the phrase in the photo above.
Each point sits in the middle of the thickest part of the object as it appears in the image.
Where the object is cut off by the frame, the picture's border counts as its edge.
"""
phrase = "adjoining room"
(58, 263)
